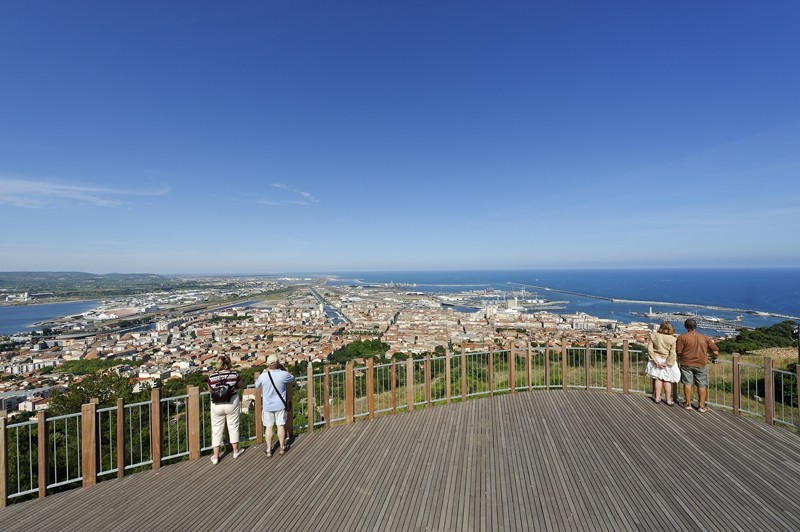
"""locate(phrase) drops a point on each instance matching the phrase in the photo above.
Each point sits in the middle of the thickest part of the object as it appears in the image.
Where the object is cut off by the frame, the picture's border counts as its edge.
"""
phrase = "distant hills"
(28, 277)
(71, 285)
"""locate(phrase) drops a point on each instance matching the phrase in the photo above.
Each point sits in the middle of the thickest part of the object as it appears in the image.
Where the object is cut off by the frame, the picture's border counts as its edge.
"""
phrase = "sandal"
(687, 406)
(268, 452)
(670, 403)
(703, 409)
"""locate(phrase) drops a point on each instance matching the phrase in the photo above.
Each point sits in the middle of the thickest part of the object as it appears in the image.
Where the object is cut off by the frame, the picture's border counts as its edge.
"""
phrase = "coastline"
(53, 301)
(760, 296)
(24, 319)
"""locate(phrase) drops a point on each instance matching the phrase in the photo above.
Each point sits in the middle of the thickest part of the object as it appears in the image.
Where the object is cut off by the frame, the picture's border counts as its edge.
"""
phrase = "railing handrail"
(343, 395)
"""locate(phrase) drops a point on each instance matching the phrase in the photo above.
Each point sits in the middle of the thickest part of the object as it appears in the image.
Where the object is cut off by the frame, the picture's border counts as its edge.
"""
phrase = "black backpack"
(222, 393)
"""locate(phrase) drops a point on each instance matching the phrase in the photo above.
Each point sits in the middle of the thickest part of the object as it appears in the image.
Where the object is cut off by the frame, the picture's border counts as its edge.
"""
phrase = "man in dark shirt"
(692, 348)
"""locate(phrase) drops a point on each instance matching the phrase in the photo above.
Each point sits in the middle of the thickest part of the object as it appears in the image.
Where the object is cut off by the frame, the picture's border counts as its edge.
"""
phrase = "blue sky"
(266, 137)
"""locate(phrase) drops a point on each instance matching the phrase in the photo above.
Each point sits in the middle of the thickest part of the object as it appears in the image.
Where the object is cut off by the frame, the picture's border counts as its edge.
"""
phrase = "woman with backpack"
(225, 408)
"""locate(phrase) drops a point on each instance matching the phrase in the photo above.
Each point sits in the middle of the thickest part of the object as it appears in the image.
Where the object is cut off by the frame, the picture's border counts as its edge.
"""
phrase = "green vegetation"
(135, 322)
(85, 285)
(778, 335)
(360, 349)
(217, 319)
(81, 285)
(173, 387)
(106, 387)
(89, 367)
(10, 346)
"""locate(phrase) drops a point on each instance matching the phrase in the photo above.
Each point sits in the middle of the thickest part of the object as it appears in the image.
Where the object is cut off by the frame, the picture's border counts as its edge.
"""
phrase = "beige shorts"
(273, 418)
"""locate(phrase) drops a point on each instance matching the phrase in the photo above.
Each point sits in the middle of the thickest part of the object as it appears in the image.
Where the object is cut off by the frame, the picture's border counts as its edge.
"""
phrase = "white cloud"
(37, 194)
(305, 197)
(287, 197)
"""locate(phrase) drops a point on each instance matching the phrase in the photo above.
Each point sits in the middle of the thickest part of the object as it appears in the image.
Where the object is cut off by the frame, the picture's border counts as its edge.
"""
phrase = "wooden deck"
(554, 460)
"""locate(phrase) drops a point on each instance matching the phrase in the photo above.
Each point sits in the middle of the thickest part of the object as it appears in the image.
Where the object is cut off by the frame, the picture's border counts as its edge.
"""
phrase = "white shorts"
(273, 418)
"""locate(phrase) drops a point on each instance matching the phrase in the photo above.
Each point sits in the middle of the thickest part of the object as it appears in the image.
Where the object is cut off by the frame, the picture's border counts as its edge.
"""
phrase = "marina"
(714, 323)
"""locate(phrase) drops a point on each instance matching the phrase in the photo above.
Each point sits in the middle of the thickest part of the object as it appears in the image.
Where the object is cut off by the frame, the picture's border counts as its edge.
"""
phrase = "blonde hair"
(666, 328)
(224, 362)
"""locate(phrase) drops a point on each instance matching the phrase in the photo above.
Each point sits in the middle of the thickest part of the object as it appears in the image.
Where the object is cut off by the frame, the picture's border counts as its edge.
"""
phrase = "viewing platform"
(563, 438)
(555, 460)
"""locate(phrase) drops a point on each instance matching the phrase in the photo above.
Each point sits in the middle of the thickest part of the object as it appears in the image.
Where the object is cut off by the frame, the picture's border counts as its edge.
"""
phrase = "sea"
(23, 318)
(761, 296)
(756, 296)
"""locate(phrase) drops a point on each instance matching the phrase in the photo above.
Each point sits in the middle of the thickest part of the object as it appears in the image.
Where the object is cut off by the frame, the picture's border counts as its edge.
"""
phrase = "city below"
(169, 335)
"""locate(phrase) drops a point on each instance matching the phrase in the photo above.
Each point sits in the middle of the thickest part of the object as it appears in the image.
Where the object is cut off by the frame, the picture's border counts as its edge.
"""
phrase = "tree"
(360, 349)
(106, 387)
(777, 335)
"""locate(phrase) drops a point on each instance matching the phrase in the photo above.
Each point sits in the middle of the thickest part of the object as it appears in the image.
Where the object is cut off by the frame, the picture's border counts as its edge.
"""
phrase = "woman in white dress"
(663, 363)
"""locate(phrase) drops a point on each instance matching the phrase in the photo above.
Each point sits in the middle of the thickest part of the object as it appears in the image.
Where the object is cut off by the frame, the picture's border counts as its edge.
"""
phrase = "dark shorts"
(691, 375)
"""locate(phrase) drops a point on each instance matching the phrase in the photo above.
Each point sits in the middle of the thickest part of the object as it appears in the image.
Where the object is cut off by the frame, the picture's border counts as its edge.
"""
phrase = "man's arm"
(714, 349)
(679, 346)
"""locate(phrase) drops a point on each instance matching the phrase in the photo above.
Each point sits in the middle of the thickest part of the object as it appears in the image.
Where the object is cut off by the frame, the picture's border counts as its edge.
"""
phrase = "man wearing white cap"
(273, 383)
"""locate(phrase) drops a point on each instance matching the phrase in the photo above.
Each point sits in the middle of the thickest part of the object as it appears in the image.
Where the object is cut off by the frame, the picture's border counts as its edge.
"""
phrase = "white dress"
(669, 374)
(659, 348)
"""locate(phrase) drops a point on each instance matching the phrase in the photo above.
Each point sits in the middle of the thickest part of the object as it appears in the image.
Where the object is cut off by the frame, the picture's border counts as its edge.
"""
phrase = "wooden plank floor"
(554, 460)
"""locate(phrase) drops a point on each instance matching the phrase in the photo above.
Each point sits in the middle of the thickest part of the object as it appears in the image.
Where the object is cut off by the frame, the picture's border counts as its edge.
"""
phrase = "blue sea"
(21, 318)
(739, 292)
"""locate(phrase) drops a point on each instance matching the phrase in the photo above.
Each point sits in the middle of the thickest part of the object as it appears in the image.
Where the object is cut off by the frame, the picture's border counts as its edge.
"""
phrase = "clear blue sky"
(275, 136)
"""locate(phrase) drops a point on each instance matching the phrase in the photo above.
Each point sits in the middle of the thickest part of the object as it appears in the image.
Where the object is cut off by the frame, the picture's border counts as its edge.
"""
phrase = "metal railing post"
(564, 366)
(609, 366)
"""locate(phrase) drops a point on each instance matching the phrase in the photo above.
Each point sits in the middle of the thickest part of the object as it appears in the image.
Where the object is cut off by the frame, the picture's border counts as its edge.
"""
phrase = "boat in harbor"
(715, 323)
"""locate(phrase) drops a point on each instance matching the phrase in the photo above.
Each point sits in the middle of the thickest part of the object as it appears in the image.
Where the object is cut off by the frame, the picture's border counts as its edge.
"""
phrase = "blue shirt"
(270, 400)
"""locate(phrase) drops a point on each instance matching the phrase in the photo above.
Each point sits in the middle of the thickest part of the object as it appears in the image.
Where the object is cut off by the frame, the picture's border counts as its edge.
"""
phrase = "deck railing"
(49, 454)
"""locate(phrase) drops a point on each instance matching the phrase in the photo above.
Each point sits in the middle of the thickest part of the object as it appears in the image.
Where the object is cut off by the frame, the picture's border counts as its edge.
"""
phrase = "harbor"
(726, 326)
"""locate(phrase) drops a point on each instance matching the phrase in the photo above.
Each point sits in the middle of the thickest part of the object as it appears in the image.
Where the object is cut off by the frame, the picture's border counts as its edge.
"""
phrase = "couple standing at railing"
(683, 359)
(226, 408)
